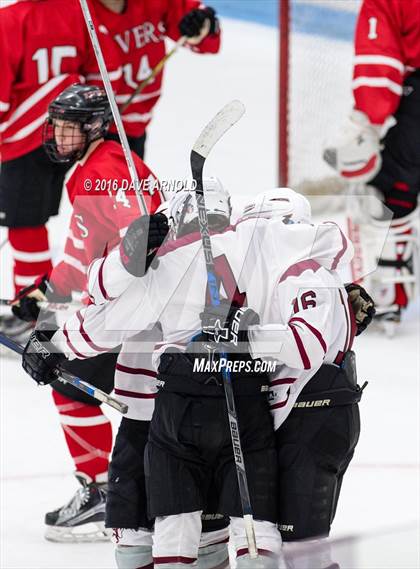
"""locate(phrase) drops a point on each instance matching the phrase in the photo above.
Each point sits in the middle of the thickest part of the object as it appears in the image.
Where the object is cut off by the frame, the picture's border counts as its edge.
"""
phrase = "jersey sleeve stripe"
(75, 263)
(298, 268)
(28, 129)
(136, 370)
(342, 250)
(86, 336)
(379, 60)
(4, 107)
(305, 359)
(134, 394)
(283, 381)
(70, 345)
(33, 99)
(377, 82)
(101, 281)
(314, 331)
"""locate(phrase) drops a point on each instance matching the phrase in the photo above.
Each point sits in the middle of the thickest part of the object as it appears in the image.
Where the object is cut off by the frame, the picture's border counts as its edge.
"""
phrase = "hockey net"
(316, 57)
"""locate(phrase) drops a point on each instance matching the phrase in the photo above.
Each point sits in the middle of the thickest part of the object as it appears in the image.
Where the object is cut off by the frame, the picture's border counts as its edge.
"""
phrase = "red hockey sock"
(31, 254)
(88, 435)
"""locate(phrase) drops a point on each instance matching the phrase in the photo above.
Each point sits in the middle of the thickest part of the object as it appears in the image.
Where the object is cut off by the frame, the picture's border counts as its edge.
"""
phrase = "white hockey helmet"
(183, 212)
(279, 202)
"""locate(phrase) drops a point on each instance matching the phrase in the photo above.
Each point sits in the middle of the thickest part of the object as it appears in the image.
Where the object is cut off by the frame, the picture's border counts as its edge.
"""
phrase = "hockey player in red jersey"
(380, 144)
(139, 30)
(78, 120)
(41, 53)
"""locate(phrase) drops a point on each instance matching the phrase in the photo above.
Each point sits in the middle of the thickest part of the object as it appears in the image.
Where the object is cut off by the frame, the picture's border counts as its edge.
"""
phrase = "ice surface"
(377, 519)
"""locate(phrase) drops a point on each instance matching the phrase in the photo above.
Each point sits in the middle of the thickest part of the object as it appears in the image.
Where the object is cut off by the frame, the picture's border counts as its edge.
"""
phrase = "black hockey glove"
(192, 23)
(362, 305)
(40, 357)
(227, 325)
(28, 309)
(143, 238)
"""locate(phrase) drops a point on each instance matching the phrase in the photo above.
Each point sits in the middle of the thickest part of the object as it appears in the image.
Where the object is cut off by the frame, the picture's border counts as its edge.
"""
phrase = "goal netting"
(316, 57)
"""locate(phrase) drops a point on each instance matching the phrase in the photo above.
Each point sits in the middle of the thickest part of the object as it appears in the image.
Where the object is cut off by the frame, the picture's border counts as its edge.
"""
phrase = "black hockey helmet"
(86, 106)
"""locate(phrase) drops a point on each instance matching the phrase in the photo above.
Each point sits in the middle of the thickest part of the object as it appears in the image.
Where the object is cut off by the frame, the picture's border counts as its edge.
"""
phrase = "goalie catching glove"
(362, 305)
(227, 325)
(40, 357)
(355, 151)
(139, 245)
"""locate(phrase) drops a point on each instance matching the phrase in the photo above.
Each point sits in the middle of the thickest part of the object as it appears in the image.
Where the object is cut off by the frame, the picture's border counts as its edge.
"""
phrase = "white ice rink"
(377, 523)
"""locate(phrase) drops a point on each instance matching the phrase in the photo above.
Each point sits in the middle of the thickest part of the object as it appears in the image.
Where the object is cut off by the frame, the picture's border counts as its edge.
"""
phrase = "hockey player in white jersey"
(244, 241)
(316, 416)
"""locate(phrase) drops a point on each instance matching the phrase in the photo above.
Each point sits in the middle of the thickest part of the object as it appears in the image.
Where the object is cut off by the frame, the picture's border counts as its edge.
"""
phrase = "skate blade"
(87, 533)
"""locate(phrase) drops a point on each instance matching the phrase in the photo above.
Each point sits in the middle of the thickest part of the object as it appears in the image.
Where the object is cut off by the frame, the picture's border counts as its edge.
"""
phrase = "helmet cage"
(92, 122)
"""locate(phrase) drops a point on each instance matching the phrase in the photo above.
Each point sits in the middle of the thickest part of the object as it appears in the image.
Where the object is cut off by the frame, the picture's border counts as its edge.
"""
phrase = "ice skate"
(82, 519)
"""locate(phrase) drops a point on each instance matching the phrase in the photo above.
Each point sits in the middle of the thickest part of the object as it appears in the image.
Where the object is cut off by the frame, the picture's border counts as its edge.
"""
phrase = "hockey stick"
(216, 128)
(67, 377)
(156, 69)
(48, 306)
(114, 107)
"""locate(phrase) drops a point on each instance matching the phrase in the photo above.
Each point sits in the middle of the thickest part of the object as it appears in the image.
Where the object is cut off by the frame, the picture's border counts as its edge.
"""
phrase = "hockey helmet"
(85, 114)
(279, 202)
(183, 210)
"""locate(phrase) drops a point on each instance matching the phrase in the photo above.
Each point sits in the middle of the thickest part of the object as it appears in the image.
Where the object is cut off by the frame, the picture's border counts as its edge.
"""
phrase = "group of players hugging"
(170, 496)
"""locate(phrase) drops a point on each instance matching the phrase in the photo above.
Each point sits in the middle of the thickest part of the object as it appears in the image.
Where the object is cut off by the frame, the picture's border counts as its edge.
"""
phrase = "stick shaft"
(115, 112)
(68, 377)
(208, 138)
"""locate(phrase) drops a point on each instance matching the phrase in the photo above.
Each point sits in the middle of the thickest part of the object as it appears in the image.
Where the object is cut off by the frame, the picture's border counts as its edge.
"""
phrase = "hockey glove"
(143, 238)
(40, 357)
(228, 326)
(197, 24)
(26, 307)
(362, 305)
(355, 151)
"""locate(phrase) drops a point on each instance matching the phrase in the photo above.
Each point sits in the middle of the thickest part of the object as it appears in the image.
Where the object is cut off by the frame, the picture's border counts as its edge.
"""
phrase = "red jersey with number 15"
(44, 48)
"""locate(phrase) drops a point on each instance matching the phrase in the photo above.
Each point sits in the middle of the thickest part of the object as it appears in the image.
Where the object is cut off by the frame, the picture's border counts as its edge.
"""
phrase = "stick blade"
(225, 118)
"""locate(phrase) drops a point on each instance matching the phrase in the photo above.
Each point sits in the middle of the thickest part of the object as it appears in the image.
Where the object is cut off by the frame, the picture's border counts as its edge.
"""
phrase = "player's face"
(68, 136)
